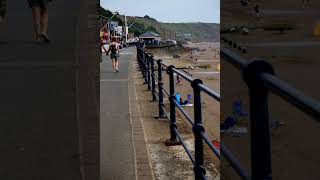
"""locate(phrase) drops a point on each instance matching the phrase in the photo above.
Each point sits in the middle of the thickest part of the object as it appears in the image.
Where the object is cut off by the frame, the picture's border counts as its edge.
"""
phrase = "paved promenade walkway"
(123, 150)
(40, 103)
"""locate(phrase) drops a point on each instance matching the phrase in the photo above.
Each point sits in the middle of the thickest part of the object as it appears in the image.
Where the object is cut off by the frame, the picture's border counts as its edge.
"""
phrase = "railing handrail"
(146, 62)
(278, 87)
(260, 78)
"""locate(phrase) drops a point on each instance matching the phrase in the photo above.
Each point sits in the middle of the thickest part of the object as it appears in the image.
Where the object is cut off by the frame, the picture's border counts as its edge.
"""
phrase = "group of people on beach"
(40, 17)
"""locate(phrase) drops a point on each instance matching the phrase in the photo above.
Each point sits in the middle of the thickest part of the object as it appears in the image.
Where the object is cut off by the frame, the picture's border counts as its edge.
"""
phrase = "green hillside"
(197, 31)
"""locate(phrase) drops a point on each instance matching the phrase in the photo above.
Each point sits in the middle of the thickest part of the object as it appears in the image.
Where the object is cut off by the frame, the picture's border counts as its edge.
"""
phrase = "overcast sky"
(168, 10)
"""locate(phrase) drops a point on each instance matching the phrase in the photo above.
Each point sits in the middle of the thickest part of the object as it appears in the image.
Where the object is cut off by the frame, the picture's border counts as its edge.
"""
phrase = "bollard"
(197, 128)
(173, 125)
(153, 81)
(259, 119)
(160, 84)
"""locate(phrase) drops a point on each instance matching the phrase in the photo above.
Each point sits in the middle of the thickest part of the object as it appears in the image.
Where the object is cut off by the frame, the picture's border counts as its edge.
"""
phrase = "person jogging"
(114, 55)
(40, 19)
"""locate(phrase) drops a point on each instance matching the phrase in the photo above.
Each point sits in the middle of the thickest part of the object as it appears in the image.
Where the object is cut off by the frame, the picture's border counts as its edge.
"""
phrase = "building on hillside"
(113, 25)
(150, 38)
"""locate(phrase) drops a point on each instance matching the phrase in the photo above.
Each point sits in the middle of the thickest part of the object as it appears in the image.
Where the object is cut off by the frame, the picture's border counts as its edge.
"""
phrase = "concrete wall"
(89, 94)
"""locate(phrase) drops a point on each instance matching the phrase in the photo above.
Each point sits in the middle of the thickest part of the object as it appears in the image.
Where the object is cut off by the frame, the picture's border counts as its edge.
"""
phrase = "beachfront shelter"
(150, 37)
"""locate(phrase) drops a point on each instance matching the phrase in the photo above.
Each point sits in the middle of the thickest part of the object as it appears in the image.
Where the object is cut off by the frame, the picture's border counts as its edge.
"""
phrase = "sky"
(170, 11)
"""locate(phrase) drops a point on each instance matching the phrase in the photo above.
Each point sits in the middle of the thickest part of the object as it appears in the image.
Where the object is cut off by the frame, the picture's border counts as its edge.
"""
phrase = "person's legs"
(44, 21)
(36, 13)
(113, 64)
(304, 3)
(2, 10)
(117, 65)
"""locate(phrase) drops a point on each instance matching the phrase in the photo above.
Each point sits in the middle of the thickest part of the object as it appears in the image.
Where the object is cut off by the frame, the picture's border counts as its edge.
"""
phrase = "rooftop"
(149, 34)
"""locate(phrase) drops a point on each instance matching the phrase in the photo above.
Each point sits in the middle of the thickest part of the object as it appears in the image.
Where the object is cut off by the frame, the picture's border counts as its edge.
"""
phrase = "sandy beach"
(204, 65)
(294, 56)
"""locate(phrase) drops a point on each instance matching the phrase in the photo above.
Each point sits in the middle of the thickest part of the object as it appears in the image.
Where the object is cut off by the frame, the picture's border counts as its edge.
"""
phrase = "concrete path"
(116, 146)
(39, 107)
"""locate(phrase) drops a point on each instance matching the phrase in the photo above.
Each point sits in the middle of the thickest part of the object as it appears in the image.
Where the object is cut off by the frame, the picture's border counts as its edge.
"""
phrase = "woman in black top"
(114, 55)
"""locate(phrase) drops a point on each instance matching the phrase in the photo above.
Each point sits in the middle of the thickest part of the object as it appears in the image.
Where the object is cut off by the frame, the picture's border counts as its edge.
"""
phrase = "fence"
(147, 66)
(260, 79)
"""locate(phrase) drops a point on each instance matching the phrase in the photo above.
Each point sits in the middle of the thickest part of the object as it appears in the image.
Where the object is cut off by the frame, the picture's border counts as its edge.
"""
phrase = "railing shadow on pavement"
(260, 79)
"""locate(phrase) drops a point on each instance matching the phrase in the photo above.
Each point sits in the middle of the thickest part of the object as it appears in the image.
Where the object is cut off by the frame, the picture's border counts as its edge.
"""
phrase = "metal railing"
(260, 78)
(147, 67)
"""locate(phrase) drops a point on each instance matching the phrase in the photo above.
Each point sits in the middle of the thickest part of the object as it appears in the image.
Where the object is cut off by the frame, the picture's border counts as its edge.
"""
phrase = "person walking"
(2, 10)
(104, 41)
(40, 19)
(114, 55)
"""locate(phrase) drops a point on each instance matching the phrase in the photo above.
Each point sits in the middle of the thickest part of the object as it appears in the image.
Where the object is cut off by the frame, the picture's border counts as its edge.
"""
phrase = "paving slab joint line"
(136, 121)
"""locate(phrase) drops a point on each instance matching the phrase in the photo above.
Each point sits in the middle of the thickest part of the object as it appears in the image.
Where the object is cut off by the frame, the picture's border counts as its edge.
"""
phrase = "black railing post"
(153, 80)
(139, 57)
(160, 84)
(259, 119)
(197, 129)
(148, 71)
(144, 67)
(173, 125)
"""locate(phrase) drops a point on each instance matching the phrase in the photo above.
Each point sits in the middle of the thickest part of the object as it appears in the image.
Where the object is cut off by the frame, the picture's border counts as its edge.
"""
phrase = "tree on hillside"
(108, 14)
(149, 18)
(137, 29)
(151, 28)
